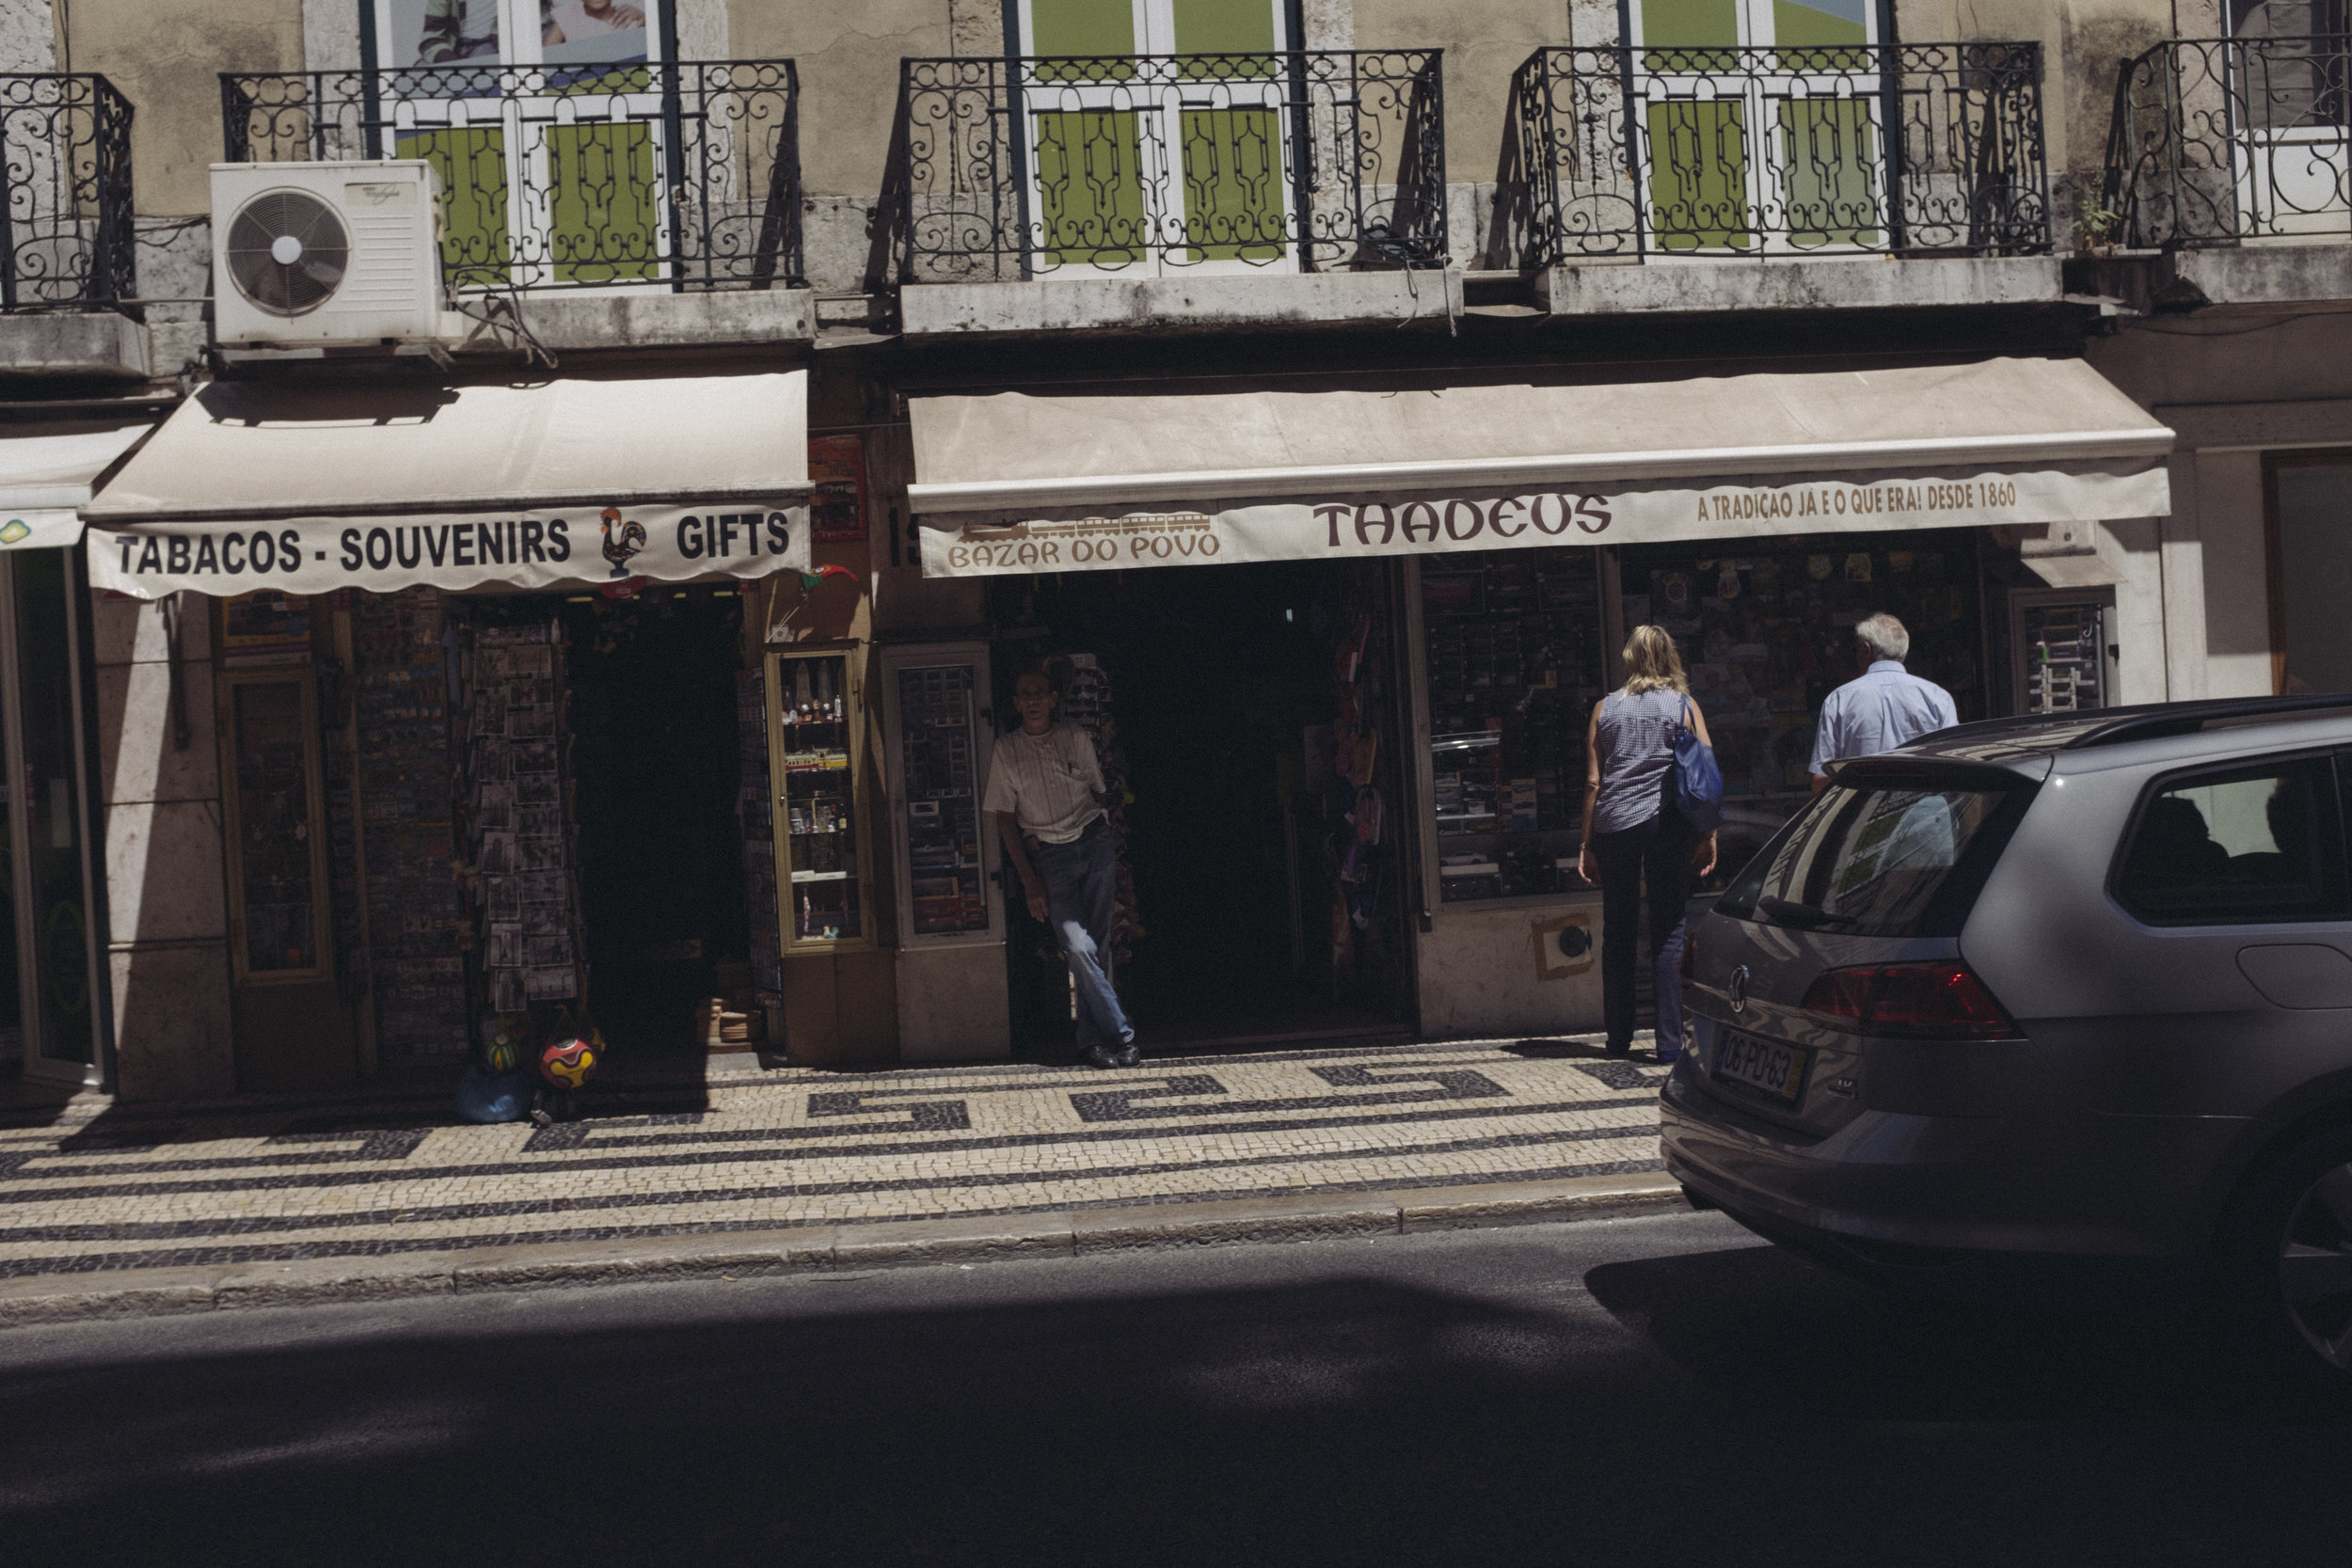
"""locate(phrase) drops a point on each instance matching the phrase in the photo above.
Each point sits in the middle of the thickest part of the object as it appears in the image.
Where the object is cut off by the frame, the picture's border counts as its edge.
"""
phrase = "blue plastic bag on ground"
(489, 1097)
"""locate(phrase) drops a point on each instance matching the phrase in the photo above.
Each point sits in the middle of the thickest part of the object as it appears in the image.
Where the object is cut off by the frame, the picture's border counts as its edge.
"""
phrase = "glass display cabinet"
(276, 829)
(2060, 650)
(939, 743)
(816, 724)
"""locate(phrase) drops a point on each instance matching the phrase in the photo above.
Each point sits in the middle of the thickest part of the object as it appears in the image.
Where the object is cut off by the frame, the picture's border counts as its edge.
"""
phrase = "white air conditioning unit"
(334, 253)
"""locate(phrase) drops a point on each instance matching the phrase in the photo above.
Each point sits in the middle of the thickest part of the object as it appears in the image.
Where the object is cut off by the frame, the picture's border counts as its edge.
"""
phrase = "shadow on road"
(1387, 1407)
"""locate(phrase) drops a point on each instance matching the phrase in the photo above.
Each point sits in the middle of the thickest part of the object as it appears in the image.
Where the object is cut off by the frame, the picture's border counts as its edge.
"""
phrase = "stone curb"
(813, 1249)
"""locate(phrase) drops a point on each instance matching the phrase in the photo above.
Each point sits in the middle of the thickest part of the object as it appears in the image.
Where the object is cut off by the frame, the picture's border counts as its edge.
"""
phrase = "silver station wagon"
(2050, 1005)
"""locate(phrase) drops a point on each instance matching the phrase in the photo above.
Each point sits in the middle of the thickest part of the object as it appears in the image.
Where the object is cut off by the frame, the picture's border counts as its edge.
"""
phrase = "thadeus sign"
(1322, 529)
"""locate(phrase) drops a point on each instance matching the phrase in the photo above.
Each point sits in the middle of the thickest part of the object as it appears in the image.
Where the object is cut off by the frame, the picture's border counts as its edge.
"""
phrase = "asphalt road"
(1661, 1390)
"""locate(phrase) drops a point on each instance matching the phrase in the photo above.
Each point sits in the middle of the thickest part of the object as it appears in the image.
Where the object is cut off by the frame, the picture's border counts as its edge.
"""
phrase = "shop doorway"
(656, 772)
(1231, 698)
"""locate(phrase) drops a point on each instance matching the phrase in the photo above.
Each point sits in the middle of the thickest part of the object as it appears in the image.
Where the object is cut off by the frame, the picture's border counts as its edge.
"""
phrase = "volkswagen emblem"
(1737, 989)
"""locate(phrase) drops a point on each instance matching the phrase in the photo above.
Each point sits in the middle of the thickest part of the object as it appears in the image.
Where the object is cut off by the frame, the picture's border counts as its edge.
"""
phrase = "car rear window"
(2255, 843)
(1883, 855)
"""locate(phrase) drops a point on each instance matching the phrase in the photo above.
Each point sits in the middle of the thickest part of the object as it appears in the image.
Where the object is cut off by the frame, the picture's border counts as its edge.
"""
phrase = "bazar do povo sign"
(554, 548)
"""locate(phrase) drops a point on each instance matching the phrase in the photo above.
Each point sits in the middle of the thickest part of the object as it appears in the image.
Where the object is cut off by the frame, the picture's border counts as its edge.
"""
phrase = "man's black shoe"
(1103, 1056)
(1130, 1055)
(1616, 1049)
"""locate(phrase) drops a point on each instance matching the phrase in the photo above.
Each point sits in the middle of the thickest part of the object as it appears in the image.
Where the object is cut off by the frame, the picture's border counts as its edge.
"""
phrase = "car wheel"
(2286, 1259)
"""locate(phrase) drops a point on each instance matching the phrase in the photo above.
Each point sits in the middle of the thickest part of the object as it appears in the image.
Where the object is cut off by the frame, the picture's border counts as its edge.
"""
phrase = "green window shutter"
(1830, 181)
(1225, 27)
(603, 226)
(1082, 28)
(476, 249)
(1698, 156)
(1686, 24)
(1090, 176)
(1233, 161)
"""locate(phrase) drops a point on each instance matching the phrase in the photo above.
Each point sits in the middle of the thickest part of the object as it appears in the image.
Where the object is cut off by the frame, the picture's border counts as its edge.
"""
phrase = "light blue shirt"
(1884, 707)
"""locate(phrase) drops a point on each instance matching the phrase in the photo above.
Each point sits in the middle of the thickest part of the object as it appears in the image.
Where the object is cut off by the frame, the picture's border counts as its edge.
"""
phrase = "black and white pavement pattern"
(102, 1190)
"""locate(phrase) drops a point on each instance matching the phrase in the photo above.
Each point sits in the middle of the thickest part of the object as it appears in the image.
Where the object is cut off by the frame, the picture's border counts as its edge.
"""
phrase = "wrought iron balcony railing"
(686, 174)
(2219, 141)
(1909, 149)
(1073, 166)
(65, 234)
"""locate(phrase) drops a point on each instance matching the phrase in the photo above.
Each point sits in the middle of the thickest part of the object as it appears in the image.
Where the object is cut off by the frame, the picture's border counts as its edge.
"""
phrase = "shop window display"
(1516, 662)
(1767, 633)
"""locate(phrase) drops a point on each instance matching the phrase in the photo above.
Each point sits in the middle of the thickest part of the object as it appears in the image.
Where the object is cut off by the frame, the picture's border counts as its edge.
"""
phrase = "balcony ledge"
(2305, 275)
(1821, 283)
(1181, 304)
(89, 345)
(654, 318)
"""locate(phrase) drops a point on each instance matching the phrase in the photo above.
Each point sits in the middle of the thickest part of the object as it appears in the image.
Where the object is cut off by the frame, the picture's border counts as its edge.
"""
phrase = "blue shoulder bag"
(1694, 784)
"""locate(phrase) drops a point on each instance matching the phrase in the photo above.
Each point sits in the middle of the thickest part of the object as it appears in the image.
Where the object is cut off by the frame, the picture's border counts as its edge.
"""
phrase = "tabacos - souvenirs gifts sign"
(561, 546)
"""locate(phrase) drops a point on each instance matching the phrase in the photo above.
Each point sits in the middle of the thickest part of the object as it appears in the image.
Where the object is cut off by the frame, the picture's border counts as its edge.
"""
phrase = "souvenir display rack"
(520, 820)
(417, 919)
(1515, 659)
(756, 808)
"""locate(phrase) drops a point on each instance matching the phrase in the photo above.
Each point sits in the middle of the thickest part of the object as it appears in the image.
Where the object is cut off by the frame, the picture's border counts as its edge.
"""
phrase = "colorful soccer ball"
(568, 1063)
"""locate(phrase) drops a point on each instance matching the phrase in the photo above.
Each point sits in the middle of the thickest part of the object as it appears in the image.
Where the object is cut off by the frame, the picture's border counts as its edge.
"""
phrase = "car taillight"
(1930, 1001)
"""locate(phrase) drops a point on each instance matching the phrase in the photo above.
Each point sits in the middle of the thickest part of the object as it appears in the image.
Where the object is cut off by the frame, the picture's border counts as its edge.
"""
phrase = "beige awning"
(382, 486)
(46, 471)
(1029, 482)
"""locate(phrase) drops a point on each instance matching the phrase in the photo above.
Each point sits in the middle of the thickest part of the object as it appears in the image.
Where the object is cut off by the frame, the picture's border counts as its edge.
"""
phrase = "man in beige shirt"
(1045, 789)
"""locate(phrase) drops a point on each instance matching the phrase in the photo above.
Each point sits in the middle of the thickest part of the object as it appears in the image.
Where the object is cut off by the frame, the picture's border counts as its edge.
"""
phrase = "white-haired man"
(1885, 707)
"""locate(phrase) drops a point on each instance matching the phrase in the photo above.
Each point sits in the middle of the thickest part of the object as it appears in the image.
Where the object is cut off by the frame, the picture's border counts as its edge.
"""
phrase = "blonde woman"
(1634, 837)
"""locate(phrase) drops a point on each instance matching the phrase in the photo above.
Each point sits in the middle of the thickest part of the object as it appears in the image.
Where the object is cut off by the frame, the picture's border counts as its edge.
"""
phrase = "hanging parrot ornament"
(811, 580)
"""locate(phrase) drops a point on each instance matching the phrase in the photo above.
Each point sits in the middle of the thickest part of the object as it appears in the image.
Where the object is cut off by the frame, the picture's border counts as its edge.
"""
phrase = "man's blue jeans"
(1081, 893)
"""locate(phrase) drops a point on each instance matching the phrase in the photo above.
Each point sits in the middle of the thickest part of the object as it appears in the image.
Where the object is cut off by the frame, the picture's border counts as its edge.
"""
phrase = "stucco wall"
(166, 56)
(2083, 41)
(28, 40)
(1484, 41)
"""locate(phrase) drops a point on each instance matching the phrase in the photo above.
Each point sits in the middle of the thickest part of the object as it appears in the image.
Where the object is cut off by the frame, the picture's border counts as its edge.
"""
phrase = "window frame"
(2334, 866)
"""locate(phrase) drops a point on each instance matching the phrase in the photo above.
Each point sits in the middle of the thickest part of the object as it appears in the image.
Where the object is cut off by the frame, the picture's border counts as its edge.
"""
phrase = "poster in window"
(836, 481)
(491, 32)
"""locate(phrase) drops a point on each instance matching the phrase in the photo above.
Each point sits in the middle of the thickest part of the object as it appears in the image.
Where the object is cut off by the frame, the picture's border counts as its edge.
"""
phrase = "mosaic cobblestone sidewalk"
(95, 1189)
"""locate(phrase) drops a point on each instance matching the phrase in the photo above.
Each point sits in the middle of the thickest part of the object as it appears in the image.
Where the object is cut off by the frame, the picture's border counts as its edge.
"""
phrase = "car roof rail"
(2158, 720)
